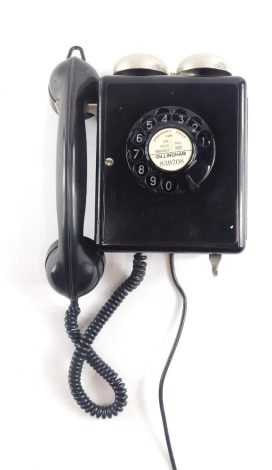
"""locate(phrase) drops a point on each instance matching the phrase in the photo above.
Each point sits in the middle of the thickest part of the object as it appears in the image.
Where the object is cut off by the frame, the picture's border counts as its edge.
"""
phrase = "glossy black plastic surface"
(210, 218)
(73, 264)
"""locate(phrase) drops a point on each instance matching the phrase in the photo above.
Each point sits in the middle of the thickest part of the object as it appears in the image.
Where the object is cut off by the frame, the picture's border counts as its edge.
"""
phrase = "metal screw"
(109, 161)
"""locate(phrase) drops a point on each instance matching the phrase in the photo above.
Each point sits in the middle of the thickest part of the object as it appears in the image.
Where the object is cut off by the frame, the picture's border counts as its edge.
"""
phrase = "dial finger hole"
(180, 116)
(195, 125)
(204, 138)
(163, 115)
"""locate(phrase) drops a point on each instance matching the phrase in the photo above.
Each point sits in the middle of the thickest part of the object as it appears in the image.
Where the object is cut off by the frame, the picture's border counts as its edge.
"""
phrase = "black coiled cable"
(84, 351)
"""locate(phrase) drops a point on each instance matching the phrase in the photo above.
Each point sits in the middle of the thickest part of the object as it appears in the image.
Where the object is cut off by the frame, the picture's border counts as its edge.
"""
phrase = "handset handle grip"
(73, 265)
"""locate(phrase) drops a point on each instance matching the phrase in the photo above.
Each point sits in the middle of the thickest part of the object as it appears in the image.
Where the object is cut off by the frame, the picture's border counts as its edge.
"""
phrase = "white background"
(218, 391)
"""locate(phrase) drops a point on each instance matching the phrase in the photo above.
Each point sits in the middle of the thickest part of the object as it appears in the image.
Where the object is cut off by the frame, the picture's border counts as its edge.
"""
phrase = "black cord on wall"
(169, 359)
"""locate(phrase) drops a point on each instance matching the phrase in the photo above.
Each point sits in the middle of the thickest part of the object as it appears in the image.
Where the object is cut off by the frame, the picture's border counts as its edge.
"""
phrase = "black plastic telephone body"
(203, 207)
(170, 167)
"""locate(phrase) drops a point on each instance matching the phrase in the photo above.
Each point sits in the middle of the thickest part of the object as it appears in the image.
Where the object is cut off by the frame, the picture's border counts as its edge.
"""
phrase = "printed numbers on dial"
(163, 115)
(195, 125)
(169, 185)
(148, 123)
(204, 139)
(170, 150)
(153, 181)
(141, 169)
(180, 116)
(138, 137)
(135, 154)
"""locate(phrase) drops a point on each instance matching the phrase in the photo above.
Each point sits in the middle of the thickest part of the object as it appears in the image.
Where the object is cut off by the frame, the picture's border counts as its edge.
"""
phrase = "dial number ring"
(170, 150)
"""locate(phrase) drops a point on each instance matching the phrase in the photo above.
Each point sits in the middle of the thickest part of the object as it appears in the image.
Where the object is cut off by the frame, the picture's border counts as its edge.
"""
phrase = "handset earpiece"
(73, 264)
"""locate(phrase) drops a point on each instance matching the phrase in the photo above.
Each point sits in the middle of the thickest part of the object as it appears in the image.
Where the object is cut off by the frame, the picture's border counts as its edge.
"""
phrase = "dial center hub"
(170, 149)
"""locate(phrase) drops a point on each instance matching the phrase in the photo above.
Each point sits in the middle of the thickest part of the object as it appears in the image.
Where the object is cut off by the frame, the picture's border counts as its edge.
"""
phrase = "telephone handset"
(73, 265)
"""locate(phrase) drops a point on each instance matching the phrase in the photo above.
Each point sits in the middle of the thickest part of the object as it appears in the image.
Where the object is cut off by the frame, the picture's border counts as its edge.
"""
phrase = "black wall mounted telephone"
(170, 178)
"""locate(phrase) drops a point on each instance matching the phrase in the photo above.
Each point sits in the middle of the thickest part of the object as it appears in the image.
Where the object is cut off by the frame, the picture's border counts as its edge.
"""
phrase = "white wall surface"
(218, 391)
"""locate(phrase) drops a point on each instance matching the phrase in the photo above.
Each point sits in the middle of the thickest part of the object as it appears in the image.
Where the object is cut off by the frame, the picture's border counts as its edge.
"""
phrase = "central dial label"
(170, 149)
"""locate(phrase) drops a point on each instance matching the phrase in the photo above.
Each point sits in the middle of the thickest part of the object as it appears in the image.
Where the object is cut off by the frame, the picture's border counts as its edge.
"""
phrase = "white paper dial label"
(170, 149)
